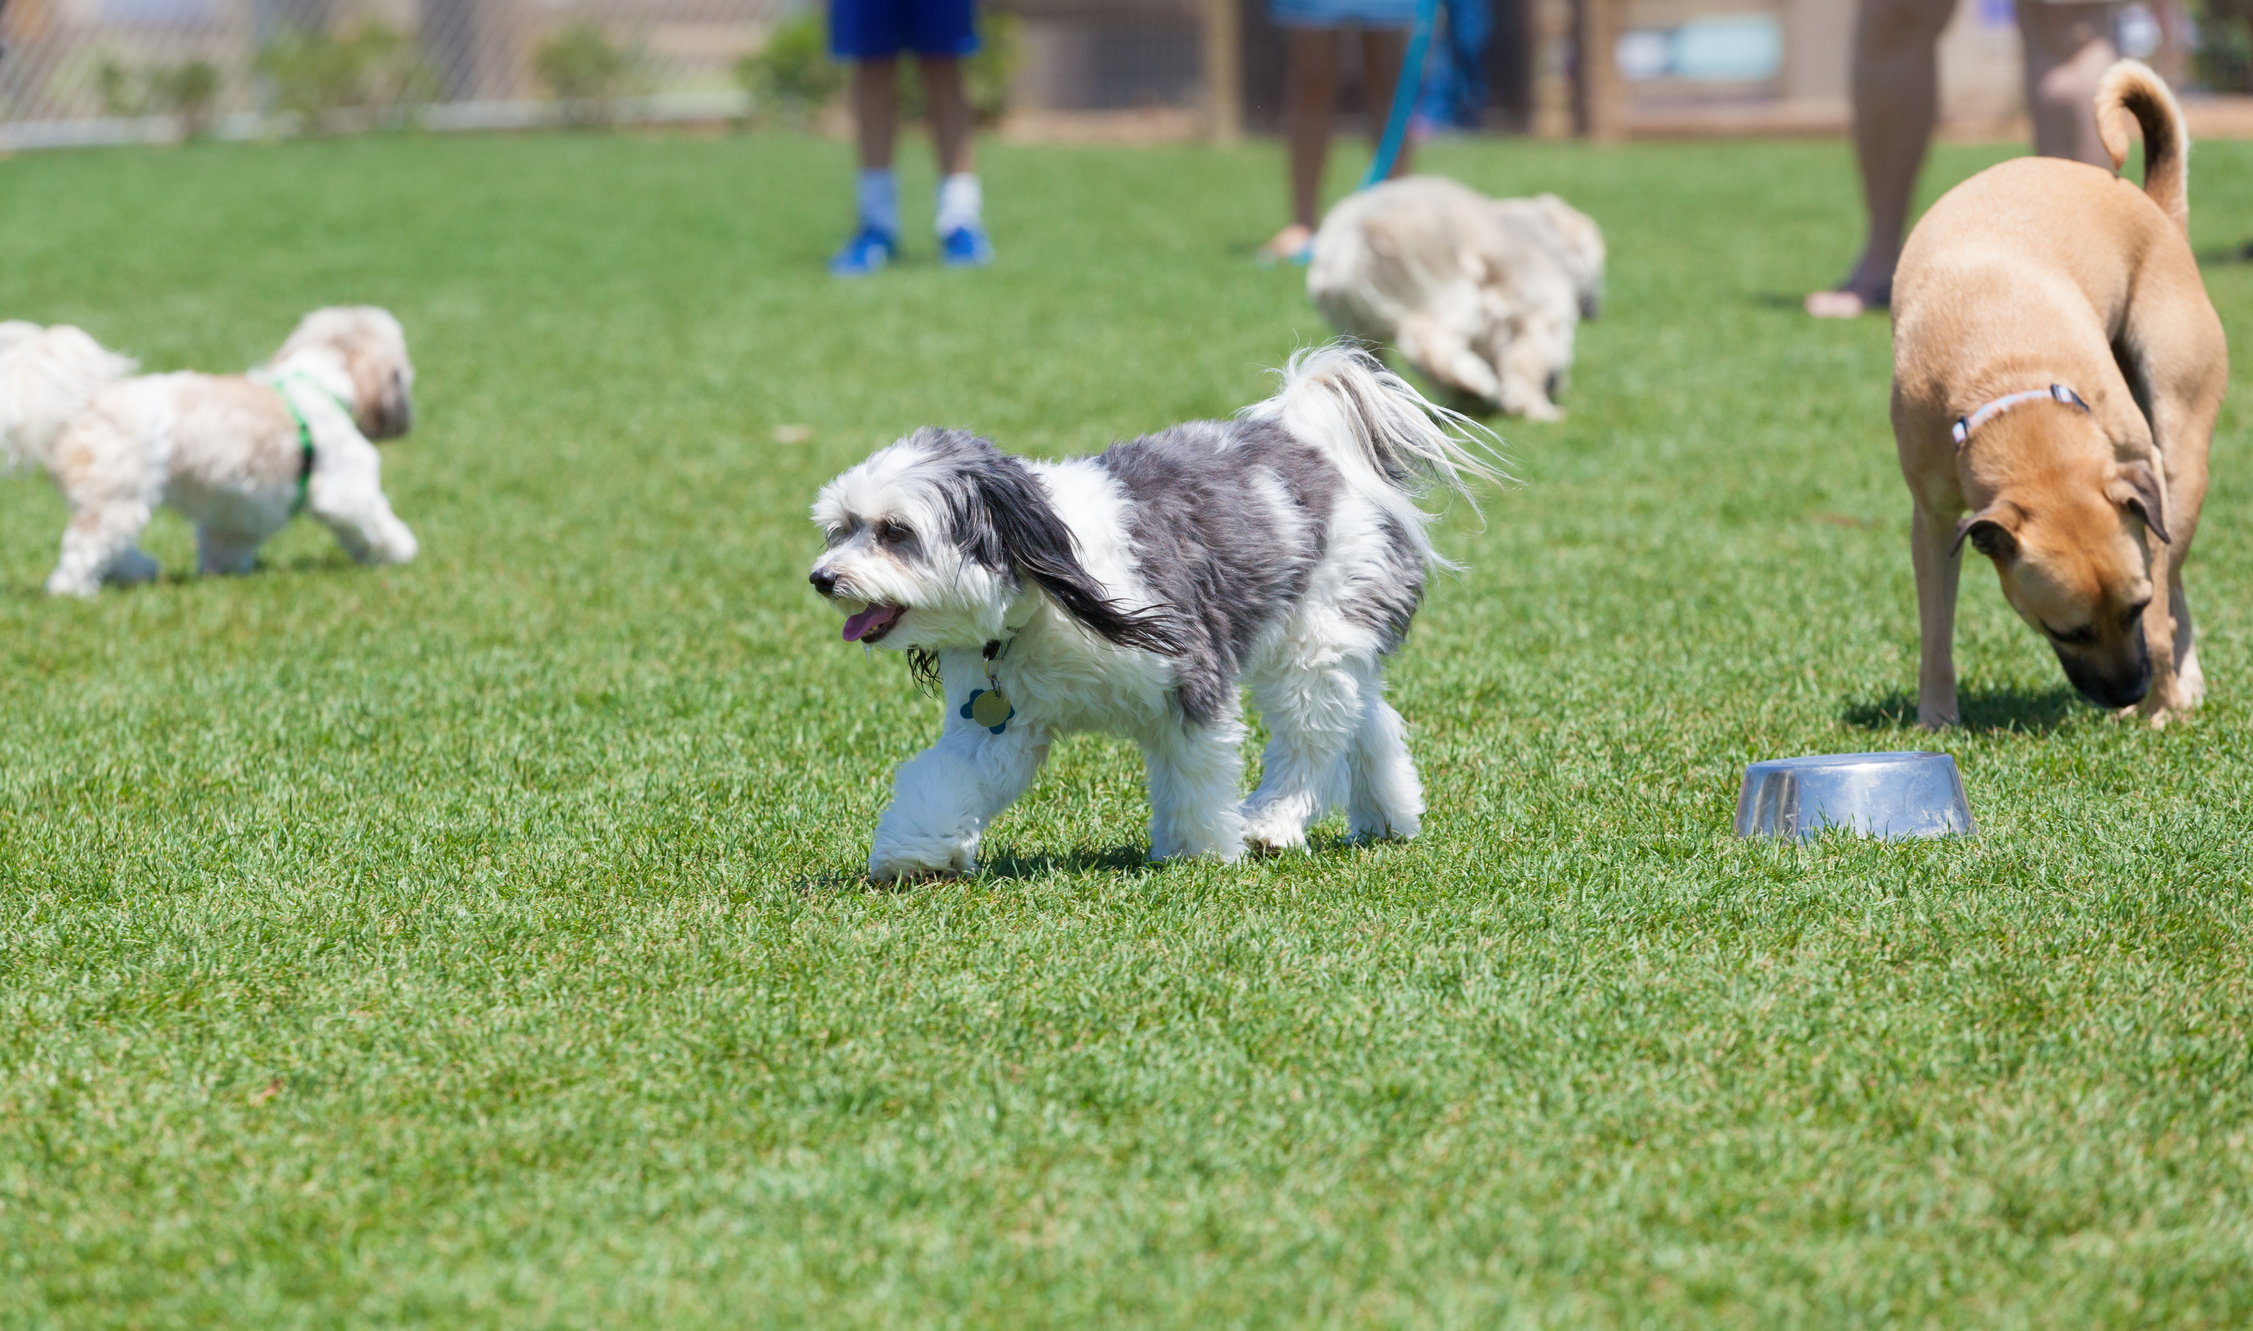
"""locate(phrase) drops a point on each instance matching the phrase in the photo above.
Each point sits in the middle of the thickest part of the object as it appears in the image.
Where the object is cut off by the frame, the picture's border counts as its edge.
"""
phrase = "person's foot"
(1293, 244)
(966, 247)
(1856, 296)
(868, 250)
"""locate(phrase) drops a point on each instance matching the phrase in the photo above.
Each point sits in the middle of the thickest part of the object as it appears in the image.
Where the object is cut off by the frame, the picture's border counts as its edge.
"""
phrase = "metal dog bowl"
(1873, 794)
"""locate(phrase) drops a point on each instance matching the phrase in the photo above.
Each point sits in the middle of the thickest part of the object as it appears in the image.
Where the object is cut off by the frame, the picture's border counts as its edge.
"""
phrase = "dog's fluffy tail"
(2131, 90)
(1392, 445)
(47, 376)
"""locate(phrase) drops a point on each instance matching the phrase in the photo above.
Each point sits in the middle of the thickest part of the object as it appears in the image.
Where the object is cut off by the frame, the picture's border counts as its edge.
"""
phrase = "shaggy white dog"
(1481, 295)
(239, 455)
(1136, 592)
(47, 376)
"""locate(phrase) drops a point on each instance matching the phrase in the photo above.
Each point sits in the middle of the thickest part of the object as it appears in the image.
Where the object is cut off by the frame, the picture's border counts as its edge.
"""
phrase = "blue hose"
(1404, 93)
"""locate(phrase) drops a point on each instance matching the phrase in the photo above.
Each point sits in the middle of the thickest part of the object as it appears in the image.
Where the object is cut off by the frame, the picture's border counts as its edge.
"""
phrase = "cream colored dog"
(2056, 372)
(47, 376)
(1481, 295)
(239, 455)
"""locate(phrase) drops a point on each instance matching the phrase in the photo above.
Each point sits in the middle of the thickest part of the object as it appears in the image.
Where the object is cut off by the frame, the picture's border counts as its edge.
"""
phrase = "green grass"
(480, 943)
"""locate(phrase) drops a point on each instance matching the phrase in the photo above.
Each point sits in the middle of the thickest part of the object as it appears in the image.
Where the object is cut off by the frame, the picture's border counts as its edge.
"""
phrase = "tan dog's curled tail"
(2130, 89)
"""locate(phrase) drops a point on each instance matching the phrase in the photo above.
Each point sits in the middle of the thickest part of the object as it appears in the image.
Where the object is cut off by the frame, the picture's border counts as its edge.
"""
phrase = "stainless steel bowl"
(1874, 794)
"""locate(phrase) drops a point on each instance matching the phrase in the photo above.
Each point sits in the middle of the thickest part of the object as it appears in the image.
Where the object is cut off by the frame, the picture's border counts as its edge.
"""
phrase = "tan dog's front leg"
(2190, 681)
(1938, 562)
(2164, 700)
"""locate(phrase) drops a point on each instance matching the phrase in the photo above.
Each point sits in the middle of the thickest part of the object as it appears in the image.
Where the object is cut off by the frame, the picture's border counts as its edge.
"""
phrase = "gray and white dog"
(1136, 592)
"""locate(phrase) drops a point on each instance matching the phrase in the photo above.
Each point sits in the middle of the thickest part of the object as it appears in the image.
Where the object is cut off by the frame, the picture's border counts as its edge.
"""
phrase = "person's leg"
(1382, 51)
(876, 111)
(865, 34)
(950, 114)
(1896, 100)
(959, 217)
(2067, 51)
(876, 190)
(1312, 100)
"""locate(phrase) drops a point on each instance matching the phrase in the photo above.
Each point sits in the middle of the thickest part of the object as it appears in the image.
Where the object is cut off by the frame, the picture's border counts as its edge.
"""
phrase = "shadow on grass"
(2242, 252)
(2031, 711)
(1115, 859)
(1132, 860)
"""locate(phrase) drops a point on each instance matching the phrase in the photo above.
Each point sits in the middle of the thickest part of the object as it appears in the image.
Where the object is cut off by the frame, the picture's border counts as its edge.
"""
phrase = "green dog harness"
(305, 433)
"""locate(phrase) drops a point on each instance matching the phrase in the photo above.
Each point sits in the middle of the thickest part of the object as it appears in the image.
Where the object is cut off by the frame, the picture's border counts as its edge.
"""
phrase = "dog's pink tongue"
(875, 617)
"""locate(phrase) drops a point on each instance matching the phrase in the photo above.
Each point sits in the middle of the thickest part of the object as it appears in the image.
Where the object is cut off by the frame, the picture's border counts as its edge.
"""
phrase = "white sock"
(877, 193)
(961, 202)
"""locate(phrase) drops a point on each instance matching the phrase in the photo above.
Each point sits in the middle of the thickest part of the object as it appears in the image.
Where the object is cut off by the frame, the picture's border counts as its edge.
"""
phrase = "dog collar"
(2055, 393)
(304, 433)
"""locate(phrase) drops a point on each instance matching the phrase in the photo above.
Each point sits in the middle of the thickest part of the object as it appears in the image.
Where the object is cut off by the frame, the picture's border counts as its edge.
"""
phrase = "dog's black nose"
(824, 582)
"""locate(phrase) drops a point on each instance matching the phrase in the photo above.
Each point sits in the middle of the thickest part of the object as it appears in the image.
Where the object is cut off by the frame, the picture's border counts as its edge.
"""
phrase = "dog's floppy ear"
(2136, 487)
(386, 408)
(1010, 524)
(1990, 532)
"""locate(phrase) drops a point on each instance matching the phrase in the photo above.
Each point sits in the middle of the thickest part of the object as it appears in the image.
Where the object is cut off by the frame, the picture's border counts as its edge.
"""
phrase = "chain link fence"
(116, 71)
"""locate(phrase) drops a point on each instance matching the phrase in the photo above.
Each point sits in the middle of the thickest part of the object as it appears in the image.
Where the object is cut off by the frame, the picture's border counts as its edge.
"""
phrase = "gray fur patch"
(1210, 542)
(1387, 603)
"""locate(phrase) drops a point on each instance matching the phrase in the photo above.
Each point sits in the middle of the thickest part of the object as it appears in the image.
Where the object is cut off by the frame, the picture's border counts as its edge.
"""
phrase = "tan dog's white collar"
(2055, 393)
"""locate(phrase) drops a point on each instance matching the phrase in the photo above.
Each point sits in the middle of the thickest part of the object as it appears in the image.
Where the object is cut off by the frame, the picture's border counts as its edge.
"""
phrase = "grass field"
(480, 943)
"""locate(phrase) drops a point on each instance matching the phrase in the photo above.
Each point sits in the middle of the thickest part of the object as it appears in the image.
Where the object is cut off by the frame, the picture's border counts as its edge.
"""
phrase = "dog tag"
(990, 708)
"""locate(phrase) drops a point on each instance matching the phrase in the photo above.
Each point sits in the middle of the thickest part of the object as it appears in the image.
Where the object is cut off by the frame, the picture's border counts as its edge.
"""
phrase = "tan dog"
(2056, 372)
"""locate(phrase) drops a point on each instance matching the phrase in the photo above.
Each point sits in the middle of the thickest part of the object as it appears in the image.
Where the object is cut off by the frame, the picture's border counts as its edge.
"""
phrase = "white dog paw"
(71, 585)
(1271, 832)
(907, 864)
(396, 546)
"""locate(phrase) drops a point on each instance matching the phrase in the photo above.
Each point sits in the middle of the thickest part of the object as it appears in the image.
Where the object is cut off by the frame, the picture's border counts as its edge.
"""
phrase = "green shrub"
(585, 71)
(2223, 59)
(987, 76)
(792, 78)
(375, 71)
(189, 90)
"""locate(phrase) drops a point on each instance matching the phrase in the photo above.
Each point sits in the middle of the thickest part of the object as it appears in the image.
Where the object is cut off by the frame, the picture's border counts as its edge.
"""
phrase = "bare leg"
(950, 113)
(1938, 571)
(1896, 100)
(876, 110)
(2067, 52)
(1382, 51)
(1313, 100)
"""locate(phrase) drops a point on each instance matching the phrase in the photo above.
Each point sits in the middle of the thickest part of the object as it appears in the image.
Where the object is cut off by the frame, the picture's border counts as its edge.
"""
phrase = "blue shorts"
(880, 29)
(1343, 13)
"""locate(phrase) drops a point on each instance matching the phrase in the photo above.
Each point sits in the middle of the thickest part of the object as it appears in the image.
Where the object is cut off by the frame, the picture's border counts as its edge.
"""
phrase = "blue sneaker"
(868, 250)
(966, 247)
